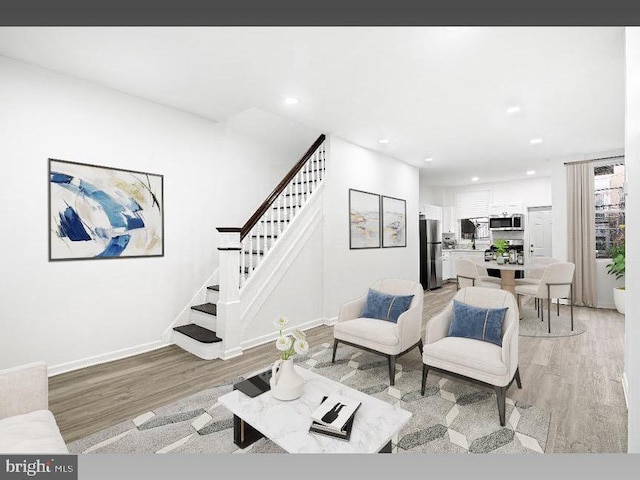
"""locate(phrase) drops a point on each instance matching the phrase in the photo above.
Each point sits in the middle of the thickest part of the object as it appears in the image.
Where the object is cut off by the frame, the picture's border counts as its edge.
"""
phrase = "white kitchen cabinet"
(449, 258)
(500, 209)
(449, 220)
(447, 271)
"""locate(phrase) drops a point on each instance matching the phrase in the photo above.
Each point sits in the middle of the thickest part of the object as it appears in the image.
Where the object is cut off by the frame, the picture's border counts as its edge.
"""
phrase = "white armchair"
(26, 424)
(380, 336)
(482, 362)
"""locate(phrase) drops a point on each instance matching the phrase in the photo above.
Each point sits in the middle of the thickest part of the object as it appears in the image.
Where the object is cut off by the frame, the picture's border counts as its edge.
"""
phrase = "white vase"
(619, 299)
(285, 382)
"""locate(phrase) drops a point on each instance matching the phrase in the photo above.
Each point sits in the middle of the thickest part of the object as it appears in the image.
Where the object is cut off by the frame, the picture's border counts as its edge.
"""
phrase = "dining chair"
(483, 273)
(534, 275)
(467, 275)
(556, 282)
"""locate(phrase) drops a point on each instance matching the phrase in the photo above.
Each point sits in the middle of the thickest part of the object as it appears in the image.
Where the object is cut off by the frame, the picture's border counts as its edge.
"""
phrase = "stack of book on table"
(334, 417)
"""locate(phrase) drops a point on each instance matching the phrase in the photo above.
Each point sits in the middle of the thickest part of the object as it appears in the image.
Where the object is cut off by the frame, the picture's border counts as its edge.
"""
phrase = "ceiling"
(431, 91)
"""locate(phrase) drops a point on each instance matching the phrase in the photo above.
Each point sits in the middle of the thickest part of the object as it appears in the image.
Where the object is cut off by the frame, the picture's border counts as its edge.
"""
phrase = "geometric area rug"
(453, 417)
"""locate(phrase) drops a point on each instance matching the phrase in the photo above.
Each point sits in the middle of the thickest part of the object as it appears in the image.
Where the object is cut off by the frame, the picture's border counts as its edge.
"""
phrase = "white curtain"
(582, 231)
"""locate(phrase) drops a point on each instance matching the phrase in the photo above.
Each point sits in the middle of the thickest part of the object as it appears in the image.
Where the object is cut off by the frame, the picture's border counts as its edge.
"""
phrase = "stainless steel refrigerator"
(430, 254)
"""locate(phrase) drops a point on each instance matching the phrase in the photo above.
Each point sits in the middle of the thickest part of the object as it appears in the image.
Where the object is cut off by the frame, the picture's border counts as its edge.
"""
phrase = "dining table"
(508, 272)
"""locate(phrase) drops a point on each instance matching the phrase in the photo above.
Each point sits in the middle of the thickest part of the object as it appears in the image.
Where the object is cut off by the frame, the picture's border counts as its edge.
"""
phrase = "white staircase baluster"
(306, 179)
(273, 219)
(250, 269)
(279, 218)
(315, 169)
(264, 235)
(243, 255)
(293, 211)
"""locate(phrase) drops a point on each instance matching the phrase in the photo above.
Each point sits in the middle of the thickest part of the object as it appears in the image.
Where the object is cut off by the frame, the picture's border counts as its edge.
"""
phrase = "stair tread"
(214, 287)
(198, 333)
(209, 308)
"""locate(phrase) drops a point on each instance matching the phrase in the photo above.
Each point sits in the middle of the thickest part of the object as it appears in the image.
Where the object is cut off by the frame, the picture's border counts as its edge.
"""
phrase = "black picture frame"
(98, 212)
(364, 220)
(393, 222)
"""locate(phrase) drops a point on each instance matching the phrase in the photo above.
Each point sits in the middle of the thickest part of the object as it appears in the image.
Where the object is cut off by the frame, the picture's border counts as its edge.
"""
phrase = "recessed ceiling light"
(475, 179)
(383, 140)
(535, 141)
(429, 159)
(513, 109)
(291, 101)
(531, 172)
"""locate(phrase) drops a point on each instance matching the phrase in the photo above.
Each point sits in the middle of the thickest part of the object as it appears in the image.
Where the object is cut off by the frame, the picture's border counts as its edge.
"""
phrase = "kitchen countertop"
(462, 250)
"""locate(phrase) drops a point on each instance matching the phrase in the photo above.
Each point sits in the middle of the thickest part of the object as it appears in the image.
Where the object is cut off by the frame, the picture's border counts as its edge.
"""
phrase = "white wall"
(297, 296)
(431, 195)
(347, 273)
(632, 166)
(63, 312)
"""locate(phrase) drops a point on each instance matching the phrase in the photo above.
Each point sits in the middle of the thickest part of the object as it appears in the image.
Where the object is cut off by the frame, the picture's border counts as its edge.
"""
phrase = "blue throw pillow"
(479, 323)
(386, 307)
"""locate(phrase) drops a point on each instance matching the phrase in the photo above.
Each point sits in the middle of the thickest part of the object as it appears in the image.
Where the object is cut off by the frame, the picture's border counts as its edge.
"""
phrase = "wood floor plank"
(577, 379)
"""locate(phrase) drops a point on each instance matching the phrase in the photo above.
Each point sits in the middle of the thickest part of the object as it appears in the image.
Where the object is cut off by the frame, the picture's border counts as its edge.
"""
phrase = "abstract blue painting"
(102, 212)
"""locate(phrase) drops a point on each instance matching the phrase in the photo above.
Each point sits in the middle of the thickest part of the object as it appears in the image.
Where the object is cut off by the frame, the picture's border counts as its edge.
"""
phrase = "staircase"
(215, 330)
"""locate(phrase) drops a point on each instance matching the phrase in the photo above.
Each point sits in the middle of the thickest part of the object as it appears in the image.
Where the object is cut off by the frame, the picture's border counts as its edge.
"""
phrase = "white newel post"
(228, 321)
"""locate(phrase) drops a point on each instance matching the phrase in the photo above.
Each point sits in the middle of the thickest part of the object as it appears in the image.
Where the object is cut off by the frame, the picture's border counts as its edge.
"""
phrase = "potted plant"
(616, 268)
(500, 246)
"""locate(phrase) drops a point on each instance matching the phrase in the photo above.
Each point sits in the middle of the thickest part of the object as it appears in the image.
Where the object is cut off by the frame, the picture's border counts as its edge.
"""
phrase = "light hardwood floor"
(577, 379)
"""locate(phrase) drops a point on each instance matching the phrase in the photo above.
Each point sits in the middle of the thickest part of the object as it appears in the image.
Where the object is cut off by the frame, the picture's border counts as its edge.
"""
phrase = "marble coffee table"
(287, 422)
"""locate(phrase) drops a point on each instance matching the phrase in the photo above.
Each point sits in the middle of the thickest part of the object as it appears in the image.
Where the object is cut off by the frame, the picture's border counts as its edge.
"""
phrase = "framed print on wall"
(364, 219)
(394, 222)
(98, 212)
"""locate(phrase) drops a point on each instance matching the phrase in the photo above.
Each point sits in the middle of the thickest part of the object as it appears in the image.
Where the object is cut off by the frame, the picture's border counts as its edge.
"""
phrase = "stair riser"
(206, 351)
(204, 320)
(213, 296)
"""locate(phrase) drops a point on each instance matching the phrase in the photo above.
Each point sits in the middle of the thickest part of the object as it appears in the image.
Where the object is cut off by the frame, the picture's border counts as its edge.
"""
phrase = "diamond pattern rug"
(453, 416)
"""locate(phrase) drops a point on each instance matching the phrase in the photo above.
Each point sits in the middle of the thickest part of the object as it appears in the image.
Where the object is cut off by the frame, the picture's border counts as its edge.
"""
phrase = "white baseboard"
(625, 388)
(331, 321)
(232, 353)
(271, 337)
(104, 357)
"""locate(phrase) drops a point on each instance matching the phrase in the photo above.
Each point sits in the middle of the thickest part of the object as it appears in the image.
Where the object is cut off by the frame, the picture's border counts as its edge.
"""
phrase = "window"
(609, 202)
(474, 226)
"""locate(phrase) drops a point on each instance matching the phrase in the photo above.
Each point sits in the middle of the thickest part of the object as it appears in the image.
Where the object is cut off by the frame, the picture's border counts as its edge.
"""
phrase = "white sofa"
(26, 424)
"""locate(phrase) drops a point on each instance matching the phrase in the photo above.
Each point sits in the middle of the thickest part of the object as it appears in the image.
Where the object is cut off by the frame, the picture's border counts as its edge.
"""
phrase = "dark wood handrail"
(246, 228)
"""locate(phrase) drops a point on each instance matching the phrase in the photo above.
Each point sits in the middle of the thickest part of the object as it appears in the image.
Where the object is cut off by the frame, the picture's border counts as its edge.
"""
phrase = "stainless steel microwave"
(508, 222)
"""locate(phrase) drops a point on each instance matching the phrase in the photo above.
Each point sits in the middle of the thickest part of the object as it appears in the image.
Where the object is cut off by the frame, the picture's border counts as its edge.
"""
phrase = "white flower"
(301, 346)
(299, 335)
(283, 343)
(281, 322)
